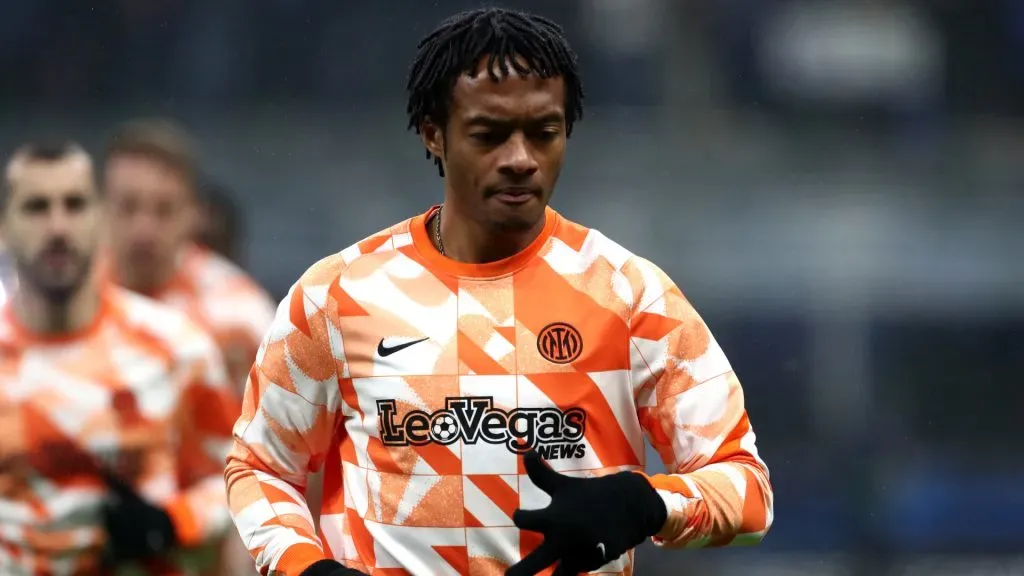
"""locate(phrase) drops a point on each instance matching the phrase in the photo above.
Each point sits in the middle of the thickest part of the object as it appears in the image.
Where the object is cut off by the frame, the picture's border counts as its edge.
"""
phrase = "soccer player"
(150, 182)
(435, 366)
(115, 411)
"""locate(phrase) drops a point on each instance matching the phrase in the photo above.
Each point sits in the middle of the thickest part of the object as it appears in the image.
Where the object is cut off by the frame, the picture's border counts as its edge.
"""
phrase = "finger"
(542, 475)
(533, 520)
(545, 555)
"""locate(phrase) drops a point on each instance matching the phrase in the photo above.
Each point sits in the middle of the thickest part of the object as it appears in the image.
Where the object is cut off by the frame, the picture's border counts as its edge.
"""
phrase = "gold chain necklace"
(437, 231)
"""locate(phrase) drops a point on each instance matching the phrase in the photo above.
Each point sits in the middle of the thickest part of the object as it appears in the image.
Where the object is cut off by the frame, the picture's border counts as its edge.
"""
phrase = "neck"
(47, 317)
(146, 282)
(466, 240)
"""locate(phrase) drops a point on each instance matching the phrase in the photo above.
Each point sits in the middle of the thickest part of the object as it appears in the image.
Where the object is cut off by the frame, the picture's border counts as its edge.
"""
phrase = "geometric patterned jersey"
(141, 394)
(418, 382)
(225, 301)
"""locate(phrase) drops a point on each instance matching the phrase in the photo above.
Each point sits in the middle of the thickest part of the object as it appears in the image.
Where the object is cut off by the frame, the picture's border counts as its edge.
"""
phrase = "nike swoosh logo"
(385, 351)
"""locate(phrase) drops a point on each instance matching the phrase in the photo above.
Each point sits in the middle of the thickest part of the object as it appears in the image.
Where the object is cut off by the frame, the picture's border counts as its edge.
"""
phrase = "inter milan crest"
(560, 343)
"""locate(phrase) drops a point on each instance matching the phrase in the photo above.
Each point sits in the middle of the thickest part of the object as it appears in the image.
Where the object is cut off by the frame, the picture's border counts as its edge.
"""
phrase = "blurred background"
(835, 184)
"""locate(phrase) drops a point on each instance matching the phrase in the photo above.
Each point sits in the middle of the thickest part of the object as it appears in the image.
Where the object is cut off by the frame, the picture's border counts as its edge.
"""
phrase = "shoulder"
(160, 326)
(371, 252)
(378, 247)
(231, 301)
(634, 279)
(216, 277)
(308, 296)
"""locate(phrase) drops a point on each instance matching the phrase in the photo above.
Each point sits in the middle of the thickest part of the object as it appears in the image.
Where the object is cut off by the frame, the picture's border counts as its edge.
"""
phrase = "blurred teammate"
(435, 365)
(150, 182)
(115, 411)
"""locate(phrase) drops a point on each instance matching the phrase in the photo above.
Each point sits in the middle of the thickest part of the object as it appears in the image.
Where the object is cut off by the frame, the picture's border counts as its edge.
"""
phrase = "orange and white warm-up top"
(141, 393)
(420, 381)
(225, 301)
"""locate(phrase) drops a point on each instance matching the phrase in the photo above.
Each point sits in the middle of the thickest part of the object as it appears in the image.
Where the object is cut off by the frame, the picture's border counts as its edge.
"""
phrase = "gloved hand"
(137, 529)
(590, 521)
(330, 568)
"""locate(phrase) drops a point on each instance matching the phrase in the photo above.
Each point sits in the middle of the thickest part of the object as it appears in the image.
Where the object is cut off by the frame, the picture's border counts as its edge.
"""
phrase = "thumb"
(542, 475)
(533, 520)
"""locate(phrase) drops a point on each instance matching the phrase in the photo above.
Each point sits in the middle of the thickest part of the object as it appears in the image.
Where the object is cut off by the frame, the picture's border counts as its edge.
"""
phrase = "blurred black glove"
(137, 530)
(590, 521)
(330, 568)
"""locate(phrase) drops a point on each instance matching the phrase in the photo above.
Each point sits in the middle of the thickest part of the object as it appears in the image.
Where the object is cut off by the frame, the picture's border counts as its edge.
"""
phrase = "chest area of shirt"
(481, 424)
(183, 300)
(465, 378)
(63, 416)
(518, 325)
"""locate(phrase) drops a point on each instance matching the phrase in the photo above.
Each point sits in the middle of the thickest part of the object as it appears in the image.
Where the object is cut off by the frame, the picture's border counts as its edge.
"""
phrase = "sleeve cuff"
(678, 497)
(323, 568)
(297, 559)
(186, 528)
(669, 483)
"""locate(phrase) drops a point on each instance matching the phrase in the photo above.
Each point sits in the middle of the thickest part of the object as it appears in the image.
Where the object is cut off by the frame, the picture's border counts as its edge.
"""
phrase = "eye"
(548, 134)
(76, 203)
(36, 205)
(488, 137)
(165, 210)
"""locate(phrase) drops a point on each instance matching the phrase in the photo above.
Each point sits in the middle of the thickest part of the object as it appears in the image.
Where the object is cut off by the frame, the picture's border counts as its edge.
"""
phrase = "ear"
(433, 138)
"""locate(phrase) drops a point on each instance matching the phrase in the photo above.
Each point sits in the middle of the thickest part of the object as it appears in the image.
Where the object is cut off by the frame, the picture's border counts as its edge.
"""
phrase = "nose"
(59, 222)
(518, 159)
(142, 228)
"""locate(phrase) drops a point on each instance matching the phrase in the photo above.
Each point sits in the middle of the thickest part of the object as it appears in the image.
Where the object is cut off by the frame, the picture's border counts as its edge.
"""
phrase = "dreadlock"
(530, 44)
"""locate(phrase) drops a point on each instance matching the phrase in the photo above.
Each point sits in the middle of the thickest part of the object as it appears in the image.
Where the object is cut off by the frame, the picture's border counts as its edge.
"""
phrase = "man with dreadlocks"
(432, 368)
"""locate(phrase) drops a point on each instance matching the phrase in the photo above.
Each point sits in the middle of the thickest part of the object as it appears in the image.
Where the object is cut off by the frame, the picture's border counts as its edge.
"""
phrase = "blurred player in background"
(115, 411)
(151, 186)
(436, 365)
(150, 181)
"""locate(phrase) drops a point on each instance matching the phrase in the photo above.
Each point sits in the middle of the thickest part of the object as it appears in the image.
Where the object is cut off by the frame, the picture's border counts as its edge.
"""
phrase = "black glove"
(137, 529)
(329, 568)
(590, 521)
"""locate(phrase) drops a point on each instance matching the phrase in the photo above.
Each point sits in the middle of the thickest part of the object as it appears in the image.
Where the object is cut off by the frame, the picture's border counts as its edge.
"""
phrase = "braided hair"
(527, 43)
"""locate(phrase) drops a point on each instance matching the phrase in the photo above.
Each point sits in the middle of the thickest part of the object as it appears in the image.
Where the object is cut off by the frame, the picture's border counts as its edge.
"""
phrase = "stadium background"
(835, 184)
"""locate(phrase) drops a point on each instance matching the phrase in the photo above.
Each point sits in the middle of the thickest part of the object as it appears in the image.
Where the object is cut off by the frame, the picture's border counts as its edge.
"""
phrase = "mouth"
(516, 195)
(142, 254)
(58, 259)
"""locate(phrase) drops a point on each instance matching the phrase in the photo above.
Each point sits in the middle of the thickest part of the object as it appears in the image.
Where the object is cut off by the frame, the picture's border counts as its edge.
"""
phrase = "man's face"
(503, 146)
(51, 223)
(151, 217)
